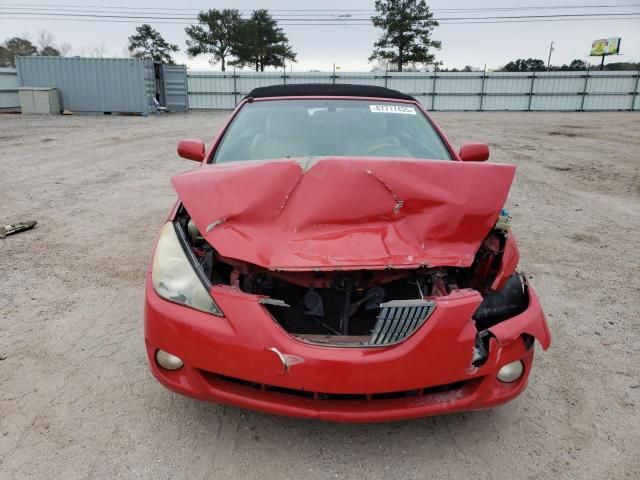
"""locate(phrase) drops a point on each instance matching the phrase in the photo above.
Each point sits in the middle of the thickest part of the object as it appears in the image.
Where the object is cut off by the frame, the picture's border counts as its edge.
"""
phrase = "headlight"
(173, 276)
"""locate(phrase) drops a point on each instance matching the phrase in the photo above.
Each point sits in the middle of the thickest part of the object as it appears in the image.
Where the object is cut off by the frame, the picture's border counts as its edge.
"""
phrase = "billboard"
(605, 46)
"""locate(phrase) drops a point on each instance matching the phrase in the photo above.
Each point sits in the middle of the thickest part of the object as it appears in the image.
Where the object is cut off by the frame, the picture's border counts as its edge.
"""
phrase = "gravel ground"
(77, 401)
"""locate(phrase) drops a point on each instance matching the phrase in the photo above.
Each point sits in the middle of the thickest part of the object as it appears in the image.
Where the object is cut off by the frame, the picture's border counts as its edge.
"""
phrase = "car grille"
(398, 319)
(463, 385)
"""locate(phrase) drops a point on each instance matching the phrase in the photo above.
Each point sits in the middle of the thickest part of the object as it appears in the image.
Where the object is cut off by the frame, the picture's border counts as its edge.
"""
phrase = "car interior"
(320, 130)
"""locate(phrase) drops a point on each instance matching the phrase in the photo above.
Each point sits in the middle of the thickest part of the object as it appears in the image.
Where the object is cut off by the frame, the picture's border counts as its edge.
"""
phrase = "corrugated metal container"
(175, 89)
(9, 88)
(93, 84)
(39, 100)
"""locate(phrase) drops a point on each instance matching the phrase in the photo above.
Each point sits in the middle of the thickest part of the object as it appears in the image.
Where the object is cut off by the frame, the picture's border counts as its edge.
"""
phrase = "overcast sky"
(349, 46)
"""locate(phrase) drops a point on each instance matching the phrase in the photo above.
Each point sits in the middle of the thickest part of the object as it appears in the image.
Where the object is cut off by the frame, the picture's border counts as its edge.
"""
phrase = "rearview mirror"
(474, 152)
(191, 149)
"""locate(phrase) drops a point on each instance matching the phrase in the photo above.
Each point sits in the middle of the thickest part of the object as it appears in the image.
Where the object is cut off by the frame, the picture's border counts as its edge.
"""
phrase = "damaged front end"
(367, 264)
(394, 296)
(374, 308)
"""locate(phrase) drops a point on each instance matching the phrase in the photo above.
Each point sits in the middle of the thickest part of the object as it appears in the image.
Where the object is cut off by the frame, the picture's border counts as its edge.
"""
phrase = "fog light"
(168, 361)
(511, 372)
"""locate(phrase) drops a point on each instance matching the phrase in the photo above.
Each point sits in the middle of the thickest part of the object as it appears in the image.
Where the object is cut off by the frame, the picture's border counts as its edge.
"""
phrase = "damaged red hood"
(346, 213)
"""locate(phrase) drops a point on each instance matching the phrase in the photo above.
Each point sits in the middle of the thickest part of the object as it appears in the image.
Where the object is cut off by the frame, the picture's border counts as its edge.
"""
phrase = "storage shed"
(108, 85)
(39, 100)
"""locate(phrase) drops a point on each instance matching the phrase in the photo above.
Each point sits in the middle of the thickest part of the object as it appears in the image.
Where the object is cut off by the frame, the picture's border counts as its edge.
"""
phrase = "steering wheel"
(387, 150)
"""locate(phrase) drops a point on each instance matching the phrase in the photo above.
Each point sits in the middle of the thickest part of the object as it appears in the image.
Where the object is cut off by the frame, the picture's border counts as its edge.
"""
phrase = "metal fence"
(9, 88)
(465, 91)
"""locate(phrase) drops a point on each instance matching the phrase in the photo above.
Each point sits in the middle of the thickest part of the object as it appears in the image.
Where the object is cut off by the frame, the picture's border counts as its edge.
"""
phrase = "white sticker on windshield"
(393, 109)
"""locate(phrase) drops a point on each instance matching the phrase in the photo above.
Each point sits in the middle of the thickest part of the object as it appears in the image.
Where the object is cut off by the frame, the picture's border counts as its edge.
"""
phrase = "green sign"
(605, 46)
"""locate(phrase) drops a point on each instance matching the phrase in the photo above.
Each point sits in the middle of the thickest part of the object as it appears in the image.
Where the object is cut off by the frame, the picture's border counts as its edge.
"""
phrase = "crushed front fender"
(531, 322)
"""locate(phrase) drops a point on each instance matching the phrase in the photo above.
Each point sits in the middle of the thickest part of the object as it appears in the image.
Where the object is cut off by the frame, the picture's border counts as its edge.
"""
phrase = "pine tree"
(406, 37)
(148, 43)
(214, 35)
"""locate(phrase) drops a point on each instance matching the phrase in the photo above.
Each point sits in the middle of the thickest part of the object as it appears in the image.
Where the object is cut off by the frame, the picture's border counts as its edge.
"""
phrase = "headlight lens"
(168, 361)
(173, 276)
(511, 372)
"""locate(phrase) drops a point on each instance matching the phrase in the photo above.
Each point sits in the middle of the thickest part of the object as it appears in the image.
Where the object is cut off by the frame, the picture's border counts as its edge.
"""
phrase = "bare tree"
(98, 51)
(95, 51)
(65, 49)
(45, 39)
(382, 66)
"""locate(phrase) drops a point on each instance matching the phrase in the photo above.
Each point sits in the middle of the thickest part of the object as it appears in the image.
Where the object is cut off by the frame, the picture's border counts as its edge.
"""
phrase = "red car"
(335, 258)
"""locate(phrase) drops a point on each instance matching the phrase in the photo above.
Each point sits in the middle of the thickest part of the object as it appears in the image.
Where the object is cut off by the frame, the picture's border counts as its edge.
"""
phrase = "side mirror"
(474, 152)
(191, 149)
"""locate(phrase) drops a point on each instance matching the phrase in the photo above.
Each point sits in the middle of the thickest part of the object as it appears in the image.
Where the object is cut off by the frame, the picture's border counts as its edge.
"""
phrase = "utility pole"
(549, 61)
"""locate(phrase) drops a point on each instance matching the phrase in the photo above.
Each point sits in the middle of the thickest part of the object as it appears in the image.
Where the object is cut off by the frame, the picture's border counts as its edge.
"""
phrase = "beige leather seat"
(284, 136)
(327, 136)
(366, 131)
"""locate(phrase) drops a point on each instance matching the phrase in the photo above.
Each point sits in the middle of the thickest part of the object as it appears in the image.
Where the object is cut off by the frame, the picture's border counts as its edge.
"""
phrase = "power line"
(343, 15)
(306, 23)
(304, 19)
(476, 9)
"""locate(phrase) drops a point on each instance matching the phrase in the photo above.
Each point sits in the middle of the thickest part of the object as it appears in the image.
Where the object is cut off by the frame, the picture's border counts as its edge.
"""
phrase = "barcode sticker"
(405, 110)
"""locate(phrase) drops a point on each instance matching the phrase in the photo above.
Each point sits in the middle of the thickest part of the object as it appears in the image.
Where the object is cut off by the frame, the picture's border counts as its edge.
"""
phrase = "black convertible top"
(327, 89)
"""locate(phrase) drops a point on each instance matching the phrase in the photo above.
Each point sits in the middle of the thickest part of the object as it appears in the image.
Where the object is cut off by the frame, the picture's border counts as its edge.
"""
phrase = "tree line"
(538, 65)
(44, 45)
(226, 37)
(257, 42)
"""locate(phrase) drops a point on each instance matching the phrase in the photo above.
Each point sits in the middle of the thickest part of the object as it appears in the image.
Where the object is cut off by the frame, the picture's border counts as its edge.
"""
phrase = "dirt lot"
(77, 401)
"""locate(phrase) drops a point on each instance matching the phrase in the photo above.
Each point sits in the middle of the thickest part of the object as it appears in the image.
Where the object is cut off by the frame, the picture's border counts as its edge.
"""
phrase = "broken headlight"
(174, 277)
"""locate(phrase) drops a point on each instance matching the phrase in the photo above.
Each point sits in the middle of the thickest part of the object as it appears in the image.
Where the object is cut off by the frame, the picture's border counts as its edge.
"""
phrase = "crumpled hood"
(346, 213)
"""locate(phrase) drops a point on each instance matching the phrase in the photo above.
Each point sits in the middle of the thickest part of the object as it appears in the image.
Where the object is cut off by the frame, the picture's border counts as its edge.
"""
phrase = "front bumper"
(233, 360)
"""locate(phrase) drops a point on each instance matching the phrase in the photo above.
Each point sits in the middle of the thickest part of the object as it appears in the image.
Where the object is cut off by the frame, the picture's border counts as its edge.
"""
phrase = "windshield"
(320, 128)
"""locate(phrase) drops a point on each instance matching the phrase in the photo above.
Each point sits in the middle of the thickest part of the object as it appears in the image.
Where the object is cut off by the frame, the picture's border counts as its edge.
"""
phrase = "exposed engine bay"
(363, 307)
